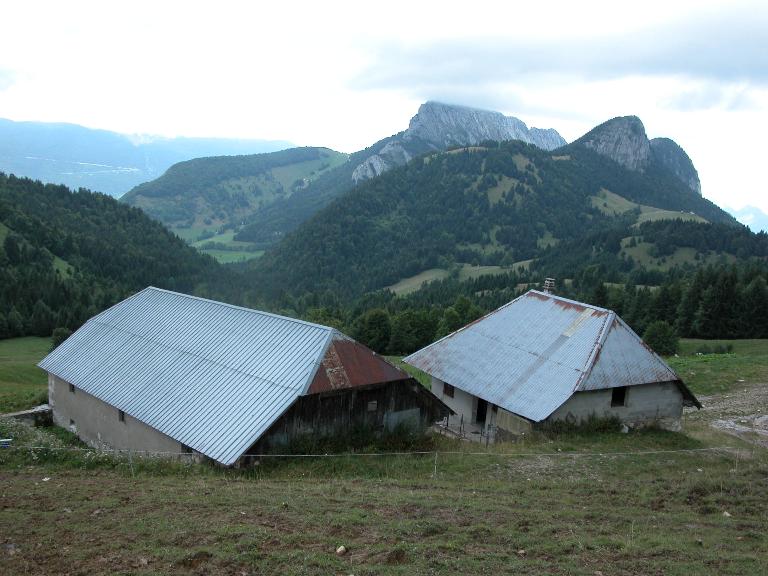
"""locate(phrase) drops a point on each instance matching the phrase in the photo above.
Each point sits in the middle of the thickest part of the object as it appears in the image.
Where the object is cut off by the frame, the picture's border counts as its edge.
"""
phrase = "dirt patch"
(742, 412)
(195, 560)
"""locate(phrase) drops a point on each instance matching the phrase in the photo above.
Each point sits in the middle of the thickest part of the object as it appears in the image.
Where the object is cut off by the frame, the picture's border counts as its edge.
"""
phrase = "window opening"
(619, 396)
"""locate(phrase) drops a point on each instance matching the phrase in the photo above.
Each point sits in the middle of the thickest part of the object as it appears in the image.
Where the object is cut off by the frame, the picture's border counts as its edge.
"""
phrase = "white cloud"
(345, 74)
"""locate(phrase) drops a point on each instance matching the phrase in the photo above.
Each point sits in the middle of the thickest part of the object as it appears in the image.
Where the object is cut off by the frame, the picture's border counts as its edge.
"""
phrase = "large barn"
(164, 372)
(543, 358)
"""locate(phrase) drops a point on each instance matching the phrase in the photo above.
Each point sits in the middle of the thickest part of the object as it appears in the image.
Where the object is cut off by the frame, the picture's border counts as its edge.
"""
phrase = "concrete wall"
(97, 423)
(463, 403)
(646, 404)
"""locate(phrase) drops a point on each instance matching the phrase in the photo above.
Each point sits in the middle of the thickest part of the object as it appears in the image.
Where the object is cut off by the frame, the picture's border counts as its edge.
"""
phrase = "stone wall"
(646, 404)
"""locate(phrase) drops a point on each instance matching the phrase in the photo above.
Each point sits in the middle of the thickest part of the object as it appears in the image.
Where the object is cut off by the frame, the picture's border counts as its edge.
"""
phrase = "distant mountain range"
(610, 198)
(104, 161)
(274, 213)
(756, 219)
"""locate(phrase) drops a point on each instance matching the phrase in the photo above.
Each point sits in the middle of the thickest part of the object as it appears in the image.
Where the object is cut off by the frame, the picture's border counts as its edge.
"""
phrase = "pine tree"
(374, 329)
(403, 339)
(754, 310)
(4, 329)
(450, 322)
(41, 321)
(15, 323)
(689, 304)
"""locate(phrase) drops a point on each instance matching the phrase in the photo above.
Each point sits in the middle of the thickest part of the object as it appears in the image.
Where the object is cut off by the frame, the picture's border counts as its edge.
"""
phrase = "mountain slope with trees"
(493, 205)
(222, 191)
(66, 255)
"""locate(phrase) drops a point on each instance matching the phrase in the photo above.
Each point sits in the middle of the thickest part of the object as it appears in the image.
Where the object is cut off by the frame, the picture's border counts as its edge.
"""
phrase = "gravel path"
(742, 412)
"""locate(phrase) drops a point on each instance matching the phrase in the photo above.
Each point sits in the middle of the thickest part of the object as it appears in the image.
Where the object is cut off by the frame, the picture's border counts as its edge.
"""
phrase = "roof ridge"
(610, 318)
(243, 308)
(569, 300)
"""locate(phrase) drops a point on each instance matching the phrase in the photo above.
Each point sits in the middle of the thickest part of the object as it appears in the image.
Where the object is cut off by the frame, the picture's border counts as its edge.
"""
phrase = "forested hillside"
(494, 205)
(224, 190)
(66, 255)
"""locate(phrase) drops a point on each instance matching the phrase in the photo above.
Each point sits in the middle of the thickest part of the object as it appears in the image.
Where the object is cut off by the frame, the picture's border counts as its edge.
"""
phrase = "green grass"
(468, 271)
(424, 378)
(718, 373)
(229, 256)
(464, 513)
(613, 204)
(408, 285)
(656, 214)
(22, 384)
(577, 504)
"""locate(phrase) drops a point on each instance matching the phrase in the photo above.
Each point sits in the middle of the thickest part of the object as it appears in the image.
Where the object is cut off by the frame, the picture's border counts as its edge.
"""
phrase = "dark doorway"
(482, 410)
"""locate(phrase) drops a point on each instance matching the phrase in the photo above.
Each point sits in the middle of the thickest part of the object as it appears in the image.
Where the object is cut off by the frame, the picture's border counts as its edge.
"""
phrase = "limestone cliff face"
(439, 126)
(671, 155)
(444, 125)
(623, 140)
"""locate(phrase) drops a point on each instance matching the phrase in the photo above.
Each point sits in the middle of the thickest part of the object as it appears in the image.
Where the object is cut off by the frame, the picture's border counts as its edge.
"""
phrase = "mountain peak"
(624, 141)
(621, 139)
(674, 158)
(444, 125)
(438, 126)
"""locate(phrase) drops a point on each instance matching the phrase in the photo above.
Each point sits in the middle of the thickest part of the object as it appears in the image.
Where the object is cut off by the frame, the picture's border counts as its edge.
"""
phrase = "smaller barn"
(542, 358)
(165, 372)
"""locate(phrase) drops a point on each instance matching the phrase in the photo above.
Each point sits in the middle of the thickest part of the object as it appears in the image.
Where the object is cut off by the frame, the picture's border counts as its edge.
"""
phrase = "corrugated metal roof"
(210, 375)
(348, 364)
(532, 354)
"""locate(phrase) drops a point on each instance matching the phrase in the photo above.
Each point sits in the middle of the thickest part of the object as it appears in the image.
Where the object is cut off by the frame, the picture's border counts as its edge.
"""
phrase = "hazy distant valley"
(104, 161)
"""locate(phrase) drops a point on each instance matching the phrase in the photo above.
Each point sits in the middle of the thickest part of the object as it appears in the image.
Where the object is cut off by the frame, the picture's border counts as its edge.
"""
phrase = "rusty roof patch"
(349, 364)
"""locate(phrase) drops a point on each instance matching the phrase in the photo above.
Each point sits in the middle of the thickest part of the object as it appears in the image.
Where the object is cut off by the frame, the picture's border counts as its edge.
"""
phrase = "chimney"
(549, 285)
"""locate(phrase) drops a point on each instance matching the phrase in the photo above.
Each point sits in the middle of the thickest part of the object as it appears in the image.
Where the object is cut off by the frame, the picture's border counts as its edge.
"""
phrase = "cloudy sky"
(345, 74)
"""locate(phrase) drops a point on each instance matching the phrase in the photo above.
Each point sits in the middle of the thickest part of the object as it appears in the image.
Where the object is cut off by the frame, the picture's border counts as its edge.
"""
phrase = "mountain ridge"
(623, 139)
(492, 205)
(440, 126)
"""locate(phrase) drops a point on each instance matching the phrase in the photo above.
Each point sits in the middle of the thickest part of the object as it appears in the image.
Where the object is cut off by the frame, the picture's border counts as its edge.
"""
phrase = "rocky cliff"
(624, 141)
(674, 158)
(438, 126)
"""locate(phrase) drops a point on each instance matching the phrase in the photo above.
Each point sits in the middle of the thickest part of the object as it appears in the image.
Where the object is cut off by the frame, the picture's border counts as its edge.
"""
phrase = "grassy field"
(466, 271)
(22, 384)
(579, 504)
(718, 373)
(610, 203)
(585, 505)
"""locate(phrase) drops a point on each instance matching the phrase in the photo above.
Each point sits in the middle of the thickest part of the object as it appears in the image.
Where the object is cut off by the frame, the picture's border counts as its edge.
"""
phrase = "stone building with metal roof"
(544, 358)
(165, 372)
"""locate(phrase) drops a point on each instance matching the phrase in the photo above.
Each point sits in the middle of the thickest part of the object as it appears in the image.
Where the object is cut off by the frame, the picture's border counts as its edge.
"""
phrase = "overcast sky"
(345, 74)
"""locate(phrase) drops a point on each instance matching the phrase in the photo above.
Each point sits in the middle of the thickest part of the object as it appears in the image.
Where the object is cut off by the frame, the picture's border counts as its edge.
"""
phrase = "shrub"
(59, 335)
(662, 338)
